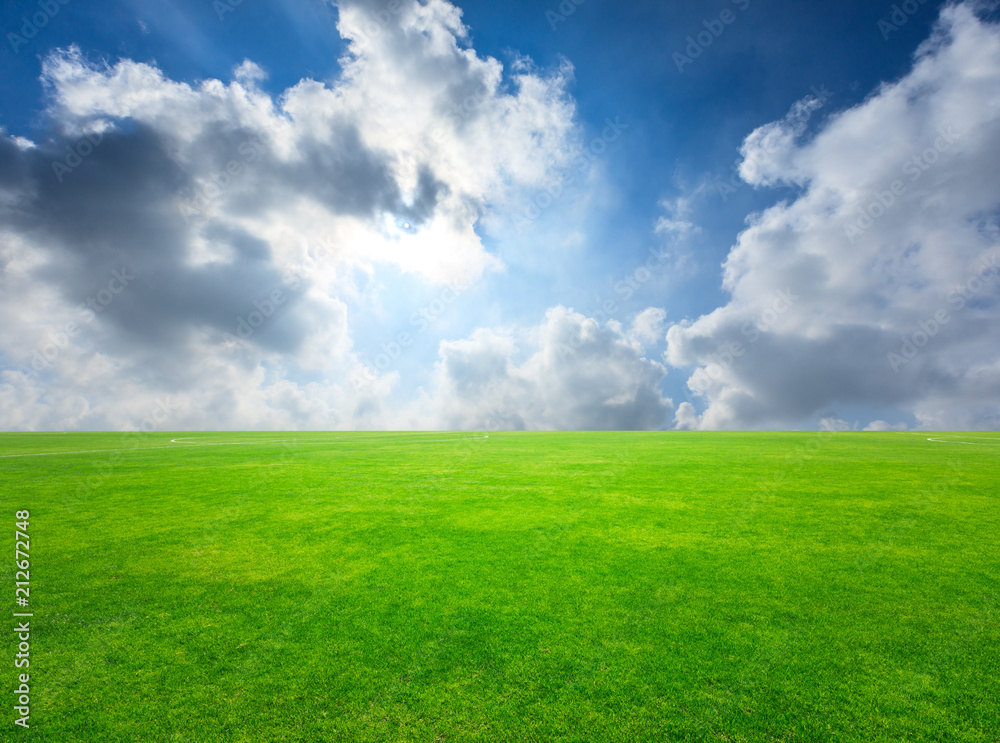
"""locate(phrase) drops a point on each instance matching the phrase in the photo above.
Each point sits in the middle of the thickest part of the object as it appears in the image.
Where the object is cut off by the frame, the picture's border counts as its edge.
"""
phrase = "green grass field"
(520, 587)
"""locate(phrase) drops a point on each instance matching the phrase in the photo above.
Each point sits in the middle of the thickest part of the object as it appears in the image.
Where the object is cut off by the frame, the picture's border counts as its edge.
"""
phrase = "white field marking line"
(944, 441)
(227, 443)
(365, 437)
(968, 443)
(329, 439)
(89, 451)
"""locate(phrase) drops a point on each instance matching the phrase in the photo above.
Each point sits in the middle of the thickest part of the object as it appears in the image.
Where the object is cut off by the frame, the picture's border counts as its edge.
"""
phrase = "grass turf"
(524, 587)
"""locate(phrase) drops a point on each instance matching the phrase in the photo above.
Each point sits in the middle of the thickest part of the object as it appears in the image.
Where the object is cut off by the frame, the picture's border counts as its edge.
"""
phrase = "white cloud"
(649, 325)
(884, 426)
(878, 284)
(834, 424)
(767, 154)
(569, 372)
(676, 224)
(686, 418)
(217, 194)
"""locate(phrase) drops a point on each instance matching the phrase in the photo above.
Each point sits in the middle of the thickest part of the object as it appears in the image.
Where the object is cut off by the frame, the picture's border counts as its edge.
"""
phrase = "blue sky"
(630, 215)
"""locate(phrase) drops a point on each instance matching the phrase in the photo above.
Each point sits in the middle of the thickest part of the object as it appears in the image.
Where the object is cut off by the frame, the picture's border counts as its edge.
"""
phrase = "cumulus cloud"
(569, 372)
(878, 283)
(648, 326)
(767, 154)
(240, 217)
(686, 418)
(885, 426)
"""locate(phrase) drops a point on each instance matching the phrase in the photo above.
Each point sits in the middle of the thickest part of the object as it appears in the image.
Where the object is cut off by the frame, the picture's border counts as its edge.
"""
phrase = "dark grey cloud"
(116, 211)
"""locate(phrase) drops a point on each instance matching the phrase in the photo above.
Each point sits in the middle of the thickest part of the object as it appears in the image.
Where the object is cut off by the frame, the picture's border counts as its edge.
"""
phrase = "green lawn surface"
(517, 587)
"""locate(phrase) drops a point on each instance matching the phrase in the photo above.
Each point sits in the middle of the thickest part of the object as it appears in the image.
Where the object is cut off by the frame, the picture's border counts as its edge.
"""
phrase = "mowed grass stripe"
(525, 587)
